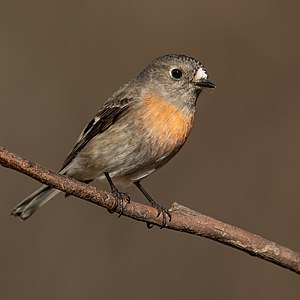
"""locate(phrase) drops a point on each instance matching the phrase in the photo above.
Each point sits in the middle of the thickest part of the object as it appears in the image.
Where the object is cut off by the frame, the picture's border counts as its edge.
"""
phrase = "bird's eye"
(176, 73)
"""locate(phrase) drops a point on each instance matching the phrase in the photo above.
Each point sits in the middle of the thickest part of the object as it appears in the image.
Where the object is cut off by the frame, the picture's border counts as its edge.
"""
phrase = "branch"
(183, 218)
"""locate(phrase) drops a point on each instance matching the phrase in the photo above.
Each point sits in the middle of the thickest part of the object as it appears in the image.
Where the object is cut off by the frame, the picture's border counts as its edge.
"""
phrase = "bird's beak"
(205, 84)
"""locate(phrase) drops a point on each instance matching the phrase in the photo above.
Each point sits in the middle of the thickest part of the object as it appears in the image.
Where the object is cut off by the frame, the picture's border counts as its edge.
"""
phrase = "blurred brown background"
(60, 60)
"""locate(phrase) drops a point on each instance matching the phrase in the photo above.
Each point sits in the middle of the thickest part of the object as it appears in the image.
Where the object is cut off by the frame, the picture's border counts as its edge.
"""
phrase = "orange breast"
(164, 123)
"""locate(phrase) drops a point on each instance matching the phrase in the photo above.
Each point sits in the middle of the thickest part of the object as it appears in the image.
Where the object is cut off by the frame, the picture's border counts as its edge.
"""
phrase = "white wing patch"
(87, 128)
(96, 119)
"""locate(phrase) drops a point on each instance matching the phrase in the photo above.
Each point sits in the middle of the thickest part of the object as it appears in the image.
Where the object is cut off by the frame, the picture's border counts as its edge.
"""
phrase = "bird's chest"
(164, 126)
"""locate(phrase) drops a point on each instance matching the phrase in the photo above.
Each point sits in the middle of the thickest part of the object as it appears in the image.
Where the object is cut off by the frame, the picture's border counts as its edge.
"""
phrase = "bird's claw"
(120, 198)
(161, 211)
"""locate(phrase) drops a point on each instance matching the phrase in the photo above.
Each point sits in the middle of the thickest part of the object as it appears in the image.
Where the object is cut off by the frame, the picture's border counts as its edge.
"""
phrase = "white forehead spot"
(200, 74)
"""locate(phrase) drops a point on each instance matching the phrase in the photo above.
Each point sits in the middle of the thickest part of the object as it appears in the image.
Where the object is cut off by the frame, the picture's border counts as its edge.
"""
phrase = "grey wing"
(106, 116)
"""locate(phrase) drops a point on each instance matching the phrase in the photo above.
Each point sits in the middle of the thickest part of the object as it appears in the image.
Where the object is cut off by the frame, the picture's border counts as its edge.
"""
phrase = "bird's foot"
(120, 198)
(161, 211)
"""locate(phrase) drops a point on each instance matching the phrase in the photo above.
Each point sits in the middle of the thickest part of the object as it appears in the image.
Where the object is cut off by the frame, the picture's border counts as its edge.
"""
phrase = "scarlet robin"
(138, 130)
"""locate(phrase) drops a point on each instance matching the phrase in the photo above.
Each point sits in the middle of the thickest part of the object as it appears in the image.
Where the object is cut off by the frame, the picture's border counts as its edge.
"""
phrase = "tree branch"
(183, 218)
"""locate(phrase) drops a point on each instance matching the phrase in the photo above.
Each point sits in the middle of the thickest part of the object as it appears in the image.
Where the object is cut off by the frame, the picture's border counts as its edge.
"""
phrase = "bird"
(139, 129)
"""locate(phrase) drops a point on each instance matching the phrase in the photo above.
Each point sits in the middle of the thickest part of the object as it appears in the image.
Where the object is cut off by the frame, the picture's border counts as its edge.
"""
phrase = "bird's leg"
(160, 209)
(119, 196)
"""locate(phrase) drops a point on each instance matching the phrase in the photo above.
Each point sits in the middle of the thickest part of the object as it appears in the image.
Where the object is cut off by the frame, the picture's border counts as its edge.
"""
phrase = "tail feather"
(33, 202)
